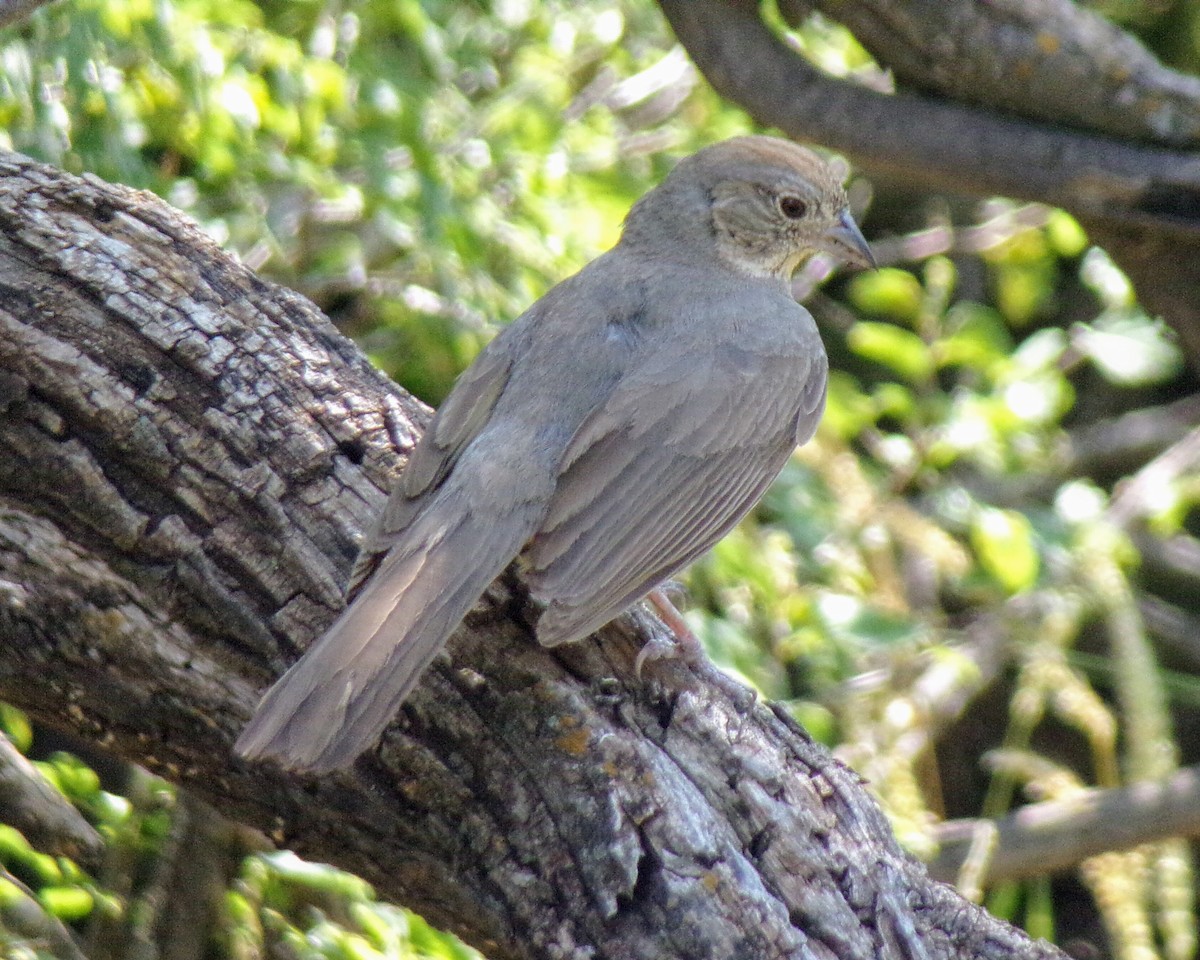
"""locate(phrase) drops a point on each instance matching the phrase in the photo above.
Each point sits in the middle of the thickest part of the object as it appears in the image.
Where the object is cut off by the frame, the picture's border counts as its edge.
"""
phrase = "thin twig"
(1056, 835)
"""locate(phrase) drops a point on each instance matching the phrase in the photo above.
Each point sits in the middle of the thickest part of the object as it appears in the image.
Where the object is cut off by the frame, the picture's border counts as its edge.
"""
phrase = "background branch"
(41, 812)
(1051, 60)
(1059, 834)
(14, 11)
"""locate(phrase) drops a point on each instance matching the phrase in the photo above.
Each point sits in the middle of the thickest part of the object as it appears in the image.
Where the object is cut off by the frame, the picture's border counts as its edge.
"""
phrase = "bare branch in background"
(40, 811)
(14, 11)
(1059, 834)
(1050, 60)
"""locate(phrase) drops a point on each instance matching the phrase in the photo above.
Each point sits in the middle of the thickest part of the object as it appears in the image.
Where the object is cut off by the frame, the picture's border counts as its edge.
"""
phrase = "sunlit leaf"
(1130, 349)
(894, 400)
(854, 617)
(67, 903)
(16, 852)
(1004, 543)
(847, 408)
(817, 720)
(887, 292)
(978, 337)
(1066, 236)
(894, 347)
(15, 725)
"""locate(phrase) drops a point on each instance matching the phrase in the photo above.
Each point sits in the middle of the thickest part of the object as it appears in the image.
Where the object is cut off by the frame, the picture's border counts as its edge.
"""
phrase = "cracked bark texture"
(187, 457)
(1048, 59)
(1133, 183)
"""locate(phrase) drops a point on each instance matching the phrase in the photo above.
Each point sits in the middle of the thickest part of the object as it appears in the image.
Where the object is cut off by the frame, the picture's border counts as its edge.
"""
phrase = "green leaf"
(894, 400)
(1039, 351)
(887, 292)
(852, 618)
(318, 876)
(16, 726)
(1039, 908)
(67, 903)
(848, 410)
(816, 718)
(980, 337)
(72, 776)
(1003, 899)
(1004, 543)
(1066, 236)
(900, 350)
(16, 852)
(1131, 350)
(1023, 290)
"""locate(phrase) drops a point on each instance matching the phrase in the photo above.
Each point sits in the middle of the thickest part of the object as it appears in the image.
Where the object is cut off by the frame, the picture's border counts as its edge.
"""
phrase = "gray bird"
(609, 436)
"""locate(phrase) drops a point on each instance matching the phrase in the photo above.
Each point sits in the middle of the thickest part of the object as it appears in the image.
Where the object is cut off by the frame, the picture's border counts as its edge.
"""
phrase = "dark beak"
(845, 242)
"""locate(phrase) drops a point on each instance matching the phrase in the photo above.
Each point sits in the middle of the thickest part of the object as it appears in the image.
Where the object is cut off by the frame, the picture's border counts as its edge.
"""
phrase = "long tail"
(336, 700)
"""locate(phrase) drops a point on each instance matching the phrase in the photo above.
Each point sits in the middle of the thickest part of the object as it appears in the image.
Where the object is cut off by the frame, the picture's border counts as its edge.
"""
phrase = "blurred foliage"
(276, 905)
(423, 170)
(943, 567)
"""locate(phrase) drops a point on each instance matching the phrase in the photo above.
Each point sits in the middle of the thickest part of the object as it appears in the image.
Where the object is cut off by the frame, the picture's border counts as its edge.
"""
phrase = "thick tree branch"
(1051, 60)
(186, 458)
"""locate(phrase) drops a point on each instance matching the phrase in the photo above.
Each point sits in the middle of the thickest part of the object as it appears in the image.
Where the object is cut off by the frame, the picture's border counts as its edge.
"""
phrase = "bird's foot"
(683, 644)
(680, 643)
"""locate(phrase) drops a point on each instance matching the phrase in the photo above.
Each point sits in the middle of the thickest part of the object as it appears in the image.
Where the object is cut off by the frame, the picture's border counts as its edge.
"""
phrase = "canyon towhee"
(609, 436)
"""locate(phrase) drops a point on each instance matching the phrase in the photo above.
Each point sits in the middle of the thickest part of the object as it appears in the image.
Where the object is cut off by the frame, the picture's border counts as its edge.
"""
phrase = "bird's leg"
(686, 645)
(687, 640)
(688, 648)
(673, 590)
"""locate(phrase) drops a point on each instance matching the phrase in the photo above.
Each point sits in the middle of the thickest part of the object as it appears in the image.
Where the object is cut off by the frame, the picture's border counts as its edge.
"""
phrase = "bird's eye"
(793, 207)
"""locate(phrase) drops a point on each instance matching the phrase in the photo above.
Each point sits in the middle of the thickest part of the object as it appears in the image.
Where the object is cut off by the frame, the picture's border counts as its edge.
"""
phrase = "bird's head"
(762, 204)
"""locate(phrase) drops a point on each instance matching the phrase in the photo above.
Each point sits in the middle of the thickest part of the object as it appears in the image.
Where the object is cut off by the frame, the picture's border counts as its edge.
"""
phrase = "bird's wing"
(678, 454)
(458, 421)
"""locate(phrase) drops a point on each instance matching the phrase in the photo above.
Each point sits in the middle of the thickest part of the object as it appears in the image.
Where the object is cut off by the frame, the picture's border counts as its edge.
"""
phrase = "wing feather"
(658, 475)
(457, 422)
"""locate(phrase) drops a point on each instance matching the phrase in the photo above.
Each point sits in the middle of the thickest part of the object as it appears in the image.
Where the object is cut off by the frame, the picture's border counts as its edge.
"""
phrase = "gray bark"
(1052, 60)
(14, 11)
(187, 457)
(42, 814)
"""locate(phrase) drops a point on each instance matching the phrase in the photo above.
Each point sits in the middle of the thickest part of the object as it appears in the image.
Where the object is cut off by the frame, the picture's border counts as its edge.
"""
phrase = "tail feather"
(336, 700)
